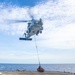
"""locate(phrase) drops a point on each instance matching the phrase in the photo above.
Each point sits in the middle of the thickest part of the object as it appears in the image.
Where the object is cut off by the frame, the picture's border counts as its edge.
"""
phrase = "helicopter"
(34, 27)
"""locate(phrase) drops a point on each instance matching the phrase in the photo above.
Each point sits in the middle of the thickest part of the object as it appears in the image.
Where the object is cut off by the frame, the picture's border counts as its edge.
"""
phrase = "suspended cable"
(37, 50)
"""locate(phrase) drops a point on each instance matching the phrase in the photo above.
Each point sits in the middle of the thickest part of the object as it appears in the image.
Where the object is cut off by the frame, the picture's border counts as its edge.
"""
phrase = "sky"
(56, 44)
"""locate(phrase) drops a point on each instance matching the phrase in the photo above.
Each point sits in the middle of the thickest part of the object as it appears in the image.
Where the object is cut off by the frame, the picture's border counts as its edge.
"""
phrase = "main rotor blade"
(17, 21)
(30, 14)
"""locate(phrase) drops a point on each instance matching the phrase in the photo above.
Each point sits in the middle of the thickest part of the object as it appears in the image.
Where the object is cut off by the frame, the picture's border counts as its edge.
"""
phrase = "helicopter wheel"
(40, 31)
(37, 32)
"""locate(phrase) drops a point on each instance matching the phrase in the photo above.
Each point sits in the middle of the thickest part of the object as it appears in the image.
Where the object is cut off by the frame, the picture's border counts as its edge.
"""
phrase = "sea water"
(33, 67)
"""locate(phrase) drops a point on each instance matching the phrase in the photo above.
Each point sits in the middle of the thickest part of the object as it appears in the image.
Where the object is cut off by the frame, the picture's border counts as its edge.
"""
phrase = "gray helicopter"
(34, 28)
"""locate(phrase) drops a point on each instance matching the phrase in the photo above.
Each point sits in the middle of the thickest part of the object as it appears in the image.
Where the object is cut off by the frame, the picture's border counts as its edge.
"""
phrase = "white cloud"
(58, 18)
(13, 13)
(58, 24)
(62, 38)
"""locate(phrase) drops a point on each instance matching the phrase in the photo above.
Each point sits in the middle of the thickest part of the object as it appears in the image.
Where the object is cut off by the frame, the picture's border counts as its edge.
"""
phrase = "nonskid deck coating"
(34, 73)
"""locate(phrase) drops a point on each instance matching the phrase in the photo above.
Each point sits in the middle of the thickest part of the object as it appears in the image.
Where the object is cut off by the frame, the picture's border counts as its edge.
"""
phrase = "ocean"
(33, 67)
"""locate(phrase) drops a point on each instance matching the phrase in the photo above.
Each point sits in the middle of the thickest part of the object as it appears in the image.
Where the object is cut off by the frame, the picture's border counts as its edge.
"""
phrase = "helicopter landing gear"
(37, 32)
(25, 34)
(25, 39)
(40, 31)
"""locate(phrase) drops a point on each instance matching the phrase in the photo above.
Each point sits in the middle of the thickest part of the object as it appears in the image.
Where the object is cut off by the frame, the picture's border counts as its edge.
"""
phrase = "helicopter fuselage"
(34, 28)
